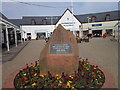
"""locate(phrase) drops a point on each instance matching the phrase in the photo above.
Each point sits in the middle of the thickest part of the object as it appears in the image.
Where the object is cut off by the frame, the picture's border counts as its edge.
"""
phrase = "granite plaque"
(59, 48)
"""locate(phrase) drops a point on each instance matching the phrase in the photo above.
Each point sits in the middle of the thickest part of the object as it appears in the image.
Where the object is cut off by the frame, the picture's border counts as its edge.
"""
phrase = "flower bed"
(87, 76)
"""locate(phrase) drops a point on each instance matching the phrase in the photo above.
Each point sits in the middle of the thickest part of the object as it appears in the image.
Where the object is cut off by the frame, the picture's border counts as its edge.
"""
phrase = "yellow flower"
(35, 74)
(57, 75)
(70, 81)
(87, 63)
(42, 75)
(60, 81)
(73, 88)
(87, 68)
(68, 84)
(94, 68)
(25, 74)
(34, 84)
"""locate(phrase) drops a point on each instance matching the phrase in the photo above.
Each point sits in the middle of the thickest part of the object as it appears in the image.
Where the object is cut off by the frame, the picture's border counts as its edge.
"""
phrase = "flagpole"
(72, 16)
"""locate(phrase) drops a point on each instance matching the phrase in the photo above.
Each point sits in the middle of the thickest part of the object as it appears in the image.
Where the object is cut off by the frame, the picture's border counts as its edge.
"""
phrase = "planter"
(79, 41)
(86, 40)
(9, 82)
(87, 76)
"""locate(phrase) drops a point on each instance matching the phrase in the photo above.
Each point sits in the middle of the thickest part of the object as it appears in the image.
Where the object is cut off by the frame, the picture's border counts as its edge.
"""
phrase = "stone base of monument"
(65, 63)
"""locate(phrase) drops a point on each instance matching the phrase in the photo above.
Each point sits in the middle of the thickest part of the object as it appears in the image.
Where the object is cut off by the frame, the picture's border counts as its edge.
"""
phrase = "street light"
(88, 21)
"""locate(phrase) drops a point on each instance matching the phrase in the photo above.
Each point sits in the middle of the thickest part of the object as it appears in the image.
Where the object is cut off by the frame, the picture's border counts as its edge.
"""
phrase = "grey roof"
(39, 20)
(3, 16)
(16, 22)
(100, 17)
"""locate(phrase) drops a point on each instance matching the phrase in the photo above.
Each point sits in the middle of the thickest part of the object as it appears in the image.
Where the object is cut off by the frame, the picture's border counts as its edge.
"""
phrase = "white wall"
(105, 25)
(33, 29)
(69, 22)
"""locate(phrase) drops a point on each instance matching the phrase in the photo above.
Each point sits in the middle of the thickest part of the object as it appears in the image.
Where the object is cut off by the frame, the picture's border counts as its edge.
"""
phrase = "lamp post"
(88, 22)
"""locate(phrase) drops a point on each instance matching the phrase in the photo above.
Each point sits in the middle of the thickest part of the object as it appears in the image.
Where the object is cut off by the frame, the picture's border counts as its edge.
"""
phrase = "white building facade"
(95, 23)
(67, 20)
(107, 27)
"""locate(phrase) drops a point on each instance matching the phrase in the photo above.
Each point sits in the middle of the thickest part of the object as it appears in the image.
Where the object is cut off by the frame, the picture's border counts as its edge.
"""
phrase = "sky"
(15, 9)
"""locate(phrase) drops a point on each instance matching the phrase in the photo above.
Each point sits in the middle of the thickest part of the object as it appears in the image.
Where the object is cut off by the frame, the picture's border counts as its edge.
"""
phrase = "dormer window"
(44, 21)
(93, 18)
(33, 22)
(107, 18)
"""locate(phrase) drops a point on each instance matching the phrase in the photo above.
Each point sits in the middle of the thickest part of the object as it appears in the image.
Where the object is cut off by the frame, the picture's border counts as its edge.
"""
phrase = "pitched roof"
(3, 16)
(40, 19)
(100, 17)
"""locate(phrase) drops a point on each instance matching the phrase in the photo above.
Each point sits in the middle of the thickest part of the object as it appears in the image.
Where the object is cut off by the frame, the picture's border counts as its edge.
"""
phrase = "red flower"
(53, 86)
(44, 75)
(77, 79)
(53, 76)
(26, 81)
(93, 75)
(33, 71)
(80, 61)
(66, 74)
(63, 84)
(75, 71)
(83, 70)
(39, 82)
(25, 78)
(83, 75)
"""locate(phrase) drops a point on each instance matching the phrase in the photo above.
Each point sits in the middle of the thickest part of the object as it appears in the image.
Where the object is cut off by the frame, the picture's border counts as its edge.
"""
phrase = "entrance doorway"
(109, 32)
(85, 32)
(41, 35)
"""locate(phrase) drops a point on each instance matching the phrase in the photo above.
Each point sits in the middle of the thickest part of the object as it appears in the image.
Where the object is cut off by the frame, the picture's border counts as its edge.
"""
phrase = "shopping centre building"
(43, 26)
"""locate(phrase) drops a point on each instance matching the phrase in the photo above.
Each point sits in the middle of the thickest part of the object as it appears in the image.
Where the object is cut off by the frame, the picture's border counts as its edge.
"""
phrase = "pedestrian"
(29, 37)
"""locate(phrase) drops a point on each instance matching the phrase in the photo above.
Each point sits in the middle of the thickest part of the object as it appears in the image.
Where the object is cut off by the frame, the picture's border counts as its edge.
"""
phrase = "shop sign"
(96, 25)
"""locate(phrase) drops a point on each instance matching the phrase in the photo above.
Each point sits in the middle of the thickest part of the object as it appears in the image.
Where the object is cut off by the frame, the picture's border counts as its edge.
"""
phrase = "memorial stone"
(60, 53)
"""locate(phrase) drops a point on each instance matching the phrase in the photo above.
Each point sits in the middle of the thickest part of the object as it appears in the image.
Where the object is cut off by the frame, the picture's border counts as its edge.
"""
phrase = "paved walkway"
(9, 55)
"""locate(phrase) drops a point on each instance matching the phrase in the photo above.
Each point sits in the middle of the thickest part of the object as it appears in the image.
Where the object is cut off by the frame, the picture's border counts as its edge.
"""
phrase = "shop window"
(107, 18)
(33, 22)
(93, 18)
(109, 32)
(28, 33)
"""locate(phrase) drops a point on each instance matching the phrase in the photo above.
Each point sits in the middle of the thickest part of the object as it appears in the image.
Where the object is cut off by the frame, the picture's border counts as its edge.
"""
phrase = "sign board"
(59, 48)
(96, 25)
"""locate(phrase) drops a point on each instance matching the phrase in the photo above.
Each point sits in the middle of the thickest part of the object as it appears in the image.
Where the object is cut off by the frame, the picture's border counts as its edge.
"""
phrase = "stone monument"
(60, 53)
